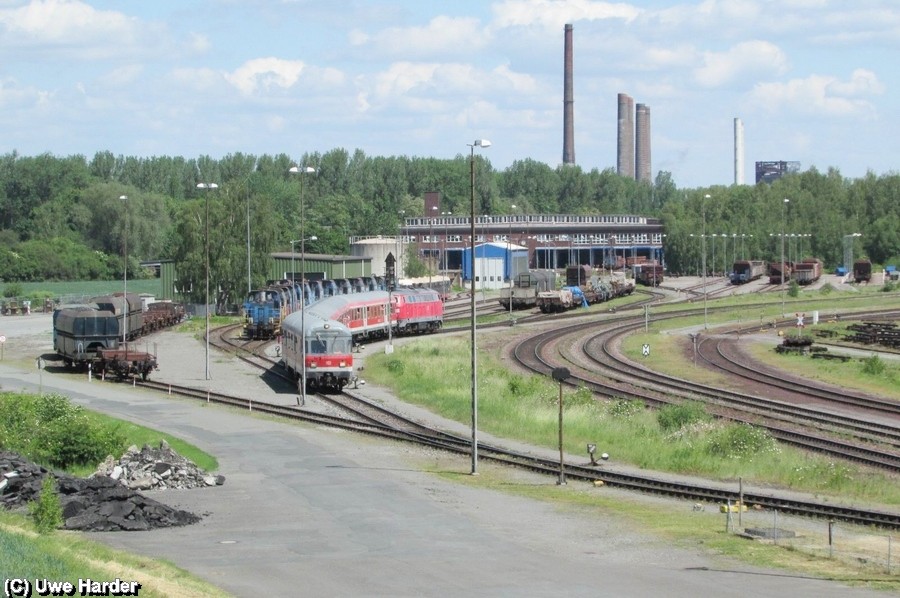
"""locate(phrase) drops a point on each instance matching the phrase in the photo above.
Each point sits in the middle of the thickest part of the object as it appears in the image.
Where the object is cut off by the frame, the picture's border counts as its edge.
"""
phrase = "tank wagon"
(525, 289)
(648, 274)
(862, 270)
(334, 324)
(807, 272)
(743, 271)
(584, 288)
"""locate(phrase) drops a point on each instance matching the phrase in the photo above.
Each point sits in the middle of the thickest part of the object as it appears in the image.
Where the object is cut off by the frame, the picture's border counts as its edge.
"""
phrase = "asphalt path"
(310, 511)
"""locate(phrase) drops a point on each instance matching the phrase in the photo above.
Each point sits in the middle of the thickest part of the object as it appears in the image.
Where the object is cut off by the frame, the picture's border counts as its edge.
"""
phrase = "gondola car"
(744, 271)
(862, 270)
(807, 272)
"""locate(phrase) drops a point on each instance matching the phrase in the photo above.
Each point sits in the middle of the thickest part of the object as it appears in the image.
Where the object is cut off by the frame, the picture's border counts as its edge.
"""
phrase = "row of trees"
(63, 218)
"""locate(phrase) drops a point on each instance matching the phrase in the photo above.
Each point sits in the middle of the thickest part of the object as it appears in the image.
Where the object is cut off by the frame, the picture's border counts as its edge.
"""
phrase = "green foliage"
(46, 511)
(741, 442)
(626, 408)
(674, 417)
(51, 430)
(826, 289)
(582, 397)
(794, 289)
(396, 367)
(873, 366)
(889, 286)
(12, 290)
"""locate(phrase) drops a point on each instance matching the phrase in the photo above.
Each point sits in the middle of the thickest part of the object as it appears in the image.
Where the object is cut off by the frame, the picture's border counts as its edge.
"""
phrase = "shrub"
(826, 289)
(740, 441)
(873, 366)
(51, 430)
(794, 289)
(888, 286)
(46, 511)
(13, 289)
(395, 366)
(674, 417)
(626, 408)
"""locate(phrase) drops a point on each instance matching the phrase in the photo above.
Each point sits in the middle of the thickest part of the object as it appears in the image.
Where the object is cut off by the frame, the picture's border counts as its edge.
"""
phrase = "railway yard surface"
(309, 510)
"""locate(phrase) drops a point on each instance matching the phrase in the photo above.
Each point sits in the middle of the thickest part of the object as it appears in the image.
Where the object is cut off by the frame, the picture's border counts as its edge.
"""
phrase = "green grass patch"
(67, 556)
(436, 374)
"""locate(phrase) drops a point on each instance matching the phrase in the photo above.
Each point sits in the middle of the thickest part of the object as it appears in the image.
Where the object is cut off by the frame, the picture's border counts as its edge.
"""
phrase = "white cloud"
(265, 74)
(553, 14)
(820, 95)
(741, 59)
(441, 34)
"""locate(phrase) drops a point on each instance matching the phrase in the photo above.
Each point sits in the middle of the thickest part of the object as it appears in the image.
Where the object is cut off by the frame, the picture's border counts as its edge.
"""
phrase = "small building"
(318, 266)
(495, 263)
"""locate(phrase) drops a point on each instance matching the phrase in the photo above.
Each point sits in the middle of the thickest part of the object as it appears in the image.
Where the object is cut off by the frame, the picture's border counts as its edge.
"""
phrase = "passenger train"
(334, 324)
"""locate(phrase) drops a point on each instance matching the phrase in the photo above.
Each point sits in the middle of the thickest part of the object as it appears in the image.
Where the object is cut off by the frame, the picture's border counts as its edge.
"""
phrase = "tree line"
(62, 217)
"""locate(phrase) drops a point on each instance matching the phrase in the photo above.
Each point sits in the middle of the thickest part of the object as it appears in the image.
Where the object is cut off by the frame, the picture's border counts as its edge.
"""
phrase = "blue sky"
(815, 81)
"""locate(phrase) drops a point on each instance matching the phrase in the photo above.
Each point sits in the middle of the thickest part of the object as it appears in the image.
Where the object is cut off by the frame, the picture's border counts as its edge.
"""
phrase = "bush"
(794, 289)
(395, 366)
(626, 408)
(46, 511)
(51, 430)
(740, 441)
(675, 417)
(13, 289)
(873, 366)
(826, 289)
(889, 286)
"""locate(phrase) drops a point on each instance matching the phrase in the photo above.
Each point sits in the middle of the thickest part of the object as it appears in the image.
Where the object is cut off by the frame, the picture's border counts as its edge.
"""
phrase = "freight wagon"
(862, 270)
(525, 289)
(744, 271)
(807, 272)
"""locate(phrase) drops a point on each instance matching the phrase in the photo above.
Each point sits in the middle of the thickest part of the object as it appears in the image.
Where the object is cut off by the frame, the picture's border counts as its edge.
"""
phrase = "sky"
(813, 81)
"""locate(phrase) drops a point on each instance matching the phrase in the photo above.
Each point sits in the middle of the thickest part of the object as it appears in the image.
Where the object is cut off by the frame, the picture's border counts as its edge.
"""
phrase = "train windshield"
(328, 345)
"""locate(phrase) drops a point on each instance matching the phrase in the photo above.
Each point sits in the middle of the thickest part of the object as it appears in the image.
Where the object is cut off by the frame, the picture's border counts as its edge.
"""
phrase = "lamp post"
(783, 210)
(209, 187)
(249, 284)
(477, 143)
(848, 250)
(703, 237)
(509, 261)
(301, 170)
(444, 241)
(125, 280)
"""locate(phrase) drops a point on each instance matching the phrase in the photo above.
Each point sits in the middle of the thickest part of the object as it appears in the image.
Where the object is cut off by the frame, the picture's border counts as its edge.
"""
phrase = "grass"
(436, 374)
(68, 556)
(688, 529)
(88, 288)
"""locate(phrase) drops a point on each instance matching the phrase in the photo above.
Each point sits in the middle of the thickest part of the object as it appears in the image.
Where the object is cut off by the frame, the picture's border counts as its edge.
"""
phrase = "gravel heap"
(98, 503)
(156, 469)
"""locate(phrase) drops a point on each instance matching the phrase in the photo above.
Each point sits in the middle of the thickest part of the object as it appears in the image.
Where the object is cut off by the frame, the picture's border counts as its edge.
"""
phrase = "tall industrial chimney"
(568, 102)
(738, 152)
(642, 144)
(625, 144)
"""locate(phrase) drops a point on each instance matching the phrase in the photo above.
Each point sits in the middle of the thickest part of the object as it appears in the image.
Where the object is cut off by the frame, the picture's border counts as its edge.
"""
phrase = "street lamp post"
(209, 187)
(509, 262)
(125, 280)
(301, 170)
(477, 143)
(703, 237)
(125, 277)
(249, 284)
(444, 216)
(783, 210)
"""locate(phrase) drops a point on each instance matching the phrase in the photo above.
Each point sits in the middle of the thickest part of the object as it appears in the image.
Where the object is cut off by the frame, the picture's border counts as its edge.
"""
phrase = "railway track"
(607, 374)
(363, 416)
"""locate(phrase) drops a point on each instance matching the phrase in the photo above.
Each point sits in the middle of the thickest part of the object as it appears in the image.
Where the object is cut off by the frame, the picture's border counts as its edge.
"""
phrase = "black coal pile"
(98, 503)
(156, 469)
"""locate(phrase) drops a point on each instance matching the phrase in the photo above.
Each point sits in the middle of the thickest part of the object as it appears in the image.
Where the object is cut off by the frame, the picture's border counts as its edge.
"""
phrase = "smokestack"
(568, 101)
(625, 145)
(738, 152)
(642, 144)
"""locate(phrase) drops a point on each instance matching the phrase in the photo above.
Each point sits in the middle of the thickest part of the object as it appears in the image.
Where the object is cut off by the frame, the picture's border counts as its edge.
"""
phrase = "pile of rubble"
(156, 469)
(97, 503)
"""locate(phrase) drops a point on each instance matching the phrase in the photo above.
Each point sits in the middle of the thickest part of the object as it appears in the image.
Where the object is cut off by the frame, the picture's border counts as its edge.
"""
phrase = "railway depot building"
(534, 241)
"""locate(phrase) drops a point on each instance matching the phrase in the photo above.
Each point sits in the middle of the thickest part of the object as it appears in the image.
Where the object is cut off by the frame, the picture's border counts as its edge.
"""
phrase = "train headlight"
(313, 365)
(342, 364)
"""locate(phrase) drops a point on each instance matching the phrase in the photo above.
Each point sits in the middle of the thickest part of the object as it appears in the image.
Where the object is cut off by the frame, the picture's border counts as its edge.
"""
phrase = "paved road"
(311, 511)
